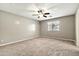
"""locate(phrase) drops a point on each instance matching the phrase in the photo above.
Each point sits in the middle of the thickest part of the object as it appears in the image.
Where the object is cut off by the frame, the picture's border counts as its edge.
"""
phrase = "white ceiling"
(55, 9)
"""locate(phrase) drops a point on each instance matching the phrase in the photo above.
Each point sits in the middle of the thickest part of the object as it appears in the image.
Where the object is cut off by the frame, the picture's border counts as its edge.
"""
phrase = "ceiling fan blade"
(46, 13)
(44, 16)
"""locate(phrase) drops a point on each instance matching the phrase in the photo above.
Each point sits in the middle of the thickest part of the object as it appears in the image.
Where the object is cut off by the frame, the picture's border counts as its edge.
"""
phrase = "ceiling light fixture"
(42, 13)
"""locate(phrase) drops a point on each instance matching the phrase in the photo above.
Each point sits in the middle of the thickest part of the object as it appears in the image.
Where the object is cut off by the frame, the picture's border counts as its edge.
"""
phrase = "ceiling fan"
(41, 13)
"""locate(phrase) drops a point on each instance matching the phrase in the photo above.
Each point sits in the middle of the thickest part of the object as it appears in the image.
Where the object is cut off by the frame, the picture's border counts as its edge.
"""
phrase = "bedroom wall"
(77, 27)
(14, 28)
(67, 28)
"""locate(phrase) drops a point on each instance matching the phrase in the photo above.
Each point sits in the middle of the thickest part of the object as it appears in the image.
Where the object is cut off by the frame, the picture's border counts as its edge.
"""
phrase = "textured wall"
(14, 28)
(67, 28)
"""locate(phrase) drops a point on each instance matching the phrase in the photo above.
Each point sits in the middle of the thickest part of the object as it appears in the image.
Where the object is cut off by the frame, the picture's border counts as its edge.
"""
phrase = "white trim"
(15, 42)
(60, 38)
(36, 38)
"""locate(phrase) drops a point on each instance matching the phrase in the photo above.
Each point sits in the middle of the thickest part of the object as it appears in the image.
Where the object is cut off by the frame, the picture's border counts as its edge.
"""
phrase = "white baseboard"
(36, 38)
(66, 39)
(16, 42)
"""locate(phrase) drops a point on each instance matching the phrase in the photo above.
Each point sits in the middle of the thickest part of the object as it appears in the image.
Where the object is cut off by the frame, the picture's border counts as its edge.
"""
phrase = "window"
(54, 25)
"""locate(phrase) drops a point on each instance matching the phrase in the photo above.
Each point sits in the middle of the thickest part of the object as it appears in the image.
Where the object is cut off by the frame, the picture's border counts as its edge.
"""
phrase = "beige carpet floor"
(40, 47)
